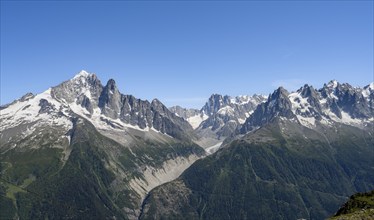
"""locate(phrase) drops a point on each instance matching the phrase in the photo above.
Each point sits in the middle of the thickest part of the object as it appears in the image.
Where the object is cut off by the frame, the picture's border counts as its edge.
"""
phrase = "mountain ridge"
(280, 164)
(131, 153)
(82, 126)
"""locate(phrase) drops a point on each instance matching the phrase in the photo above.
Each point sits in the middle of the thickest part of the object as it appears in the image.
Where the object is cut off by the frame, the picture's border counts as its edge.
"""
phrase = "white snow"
(28, 111)
(87, 93)
(241, 120)
(96, 119)
(227, 110)
(366, 92)
(247, 114)
(245, 99)
(68, 137)
(79, 109)
(332, 84)
(82, 73)
(371, 86)
(196, 120)
(240, 100)
(347, 119)
(323, 101)
(298, 102)
(309, 122)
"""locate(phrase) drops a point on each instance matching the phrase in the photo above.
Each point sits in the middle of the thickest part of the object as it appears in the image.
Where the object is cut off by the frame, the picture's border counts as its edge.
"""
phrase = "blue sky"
(183, 51)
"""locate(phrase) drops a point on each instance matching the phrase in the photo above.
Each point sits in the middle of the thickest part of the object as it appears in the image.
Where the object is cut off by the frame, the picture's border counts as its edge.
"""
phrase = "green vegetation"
(359, 206)
(269, 175)
(93, 183)
(7, 207)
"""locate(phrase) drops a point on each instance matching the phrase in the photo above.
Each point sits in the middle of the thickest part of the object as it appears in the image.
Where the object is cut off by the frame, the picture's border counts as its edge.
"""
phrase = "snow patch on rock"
(196, 120)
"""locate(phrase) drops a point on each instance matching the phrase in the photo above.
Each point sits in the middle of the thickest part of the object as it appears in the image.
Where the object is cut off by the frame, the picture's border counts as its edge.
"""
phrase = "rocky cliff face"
(84, 150)
(334, 103)
(271, 173)
(219, 117)
(294, 158)
(225, 110)
(88, 96)
(112, 149)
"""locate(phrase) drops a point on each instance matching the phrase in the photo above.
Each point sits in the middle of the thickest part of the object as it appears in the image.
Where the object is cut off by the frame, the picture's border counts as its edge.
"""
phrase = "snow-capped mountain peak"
(82, 73)
(104, 106)
(334, 103)
(371, 86)
(367, 90)
(333, 84)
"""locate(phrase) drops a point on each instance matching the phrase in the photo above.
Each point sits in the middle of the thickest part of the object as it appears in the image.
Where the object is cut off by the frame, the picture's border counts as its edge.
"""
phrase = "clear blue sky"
(182, 52)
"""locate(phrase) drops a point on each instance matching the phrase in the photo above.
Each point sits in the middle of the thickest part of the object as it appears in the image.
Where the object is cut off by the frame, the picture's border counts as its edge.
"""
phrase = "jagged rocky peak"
(84, 78)
(247, 99)
(157, 105)
(110, 89)
(336, 90)
(156, 102)
(110, 100)
(214, 103)
(111, 85)
(184, 112)
(335, 102)
(312, 100)
(307, 91)
(329, 88)
(82, 84)
(369, 87)
(333, 84)
(82, 73)
(226, 104)
(27, 96)
(160, 109)
(368, 92)
(225, 113)
(344, 98)
(277, 105)
(279, 102)
(279, 93)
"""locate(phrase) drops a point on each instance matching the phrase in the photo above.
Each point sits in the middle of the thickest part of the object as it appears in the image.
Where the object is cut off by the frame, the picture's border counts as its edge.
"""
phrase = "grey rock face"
(344, 97)
(312, 97)
(183, 112)
(86, 103)
(334, 102)
(45, 106)
(82, 84)
(110, 100)
(226, 113)
(27, 96)
(277, 105)
(86, 91)
(214, 103)
(221, 114)
(165, 121)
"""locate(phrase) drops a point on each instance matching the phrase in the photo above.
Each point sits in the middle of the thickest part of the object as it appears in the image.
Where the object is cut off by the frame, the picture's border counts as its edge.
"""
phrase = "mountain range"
(82, 149)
